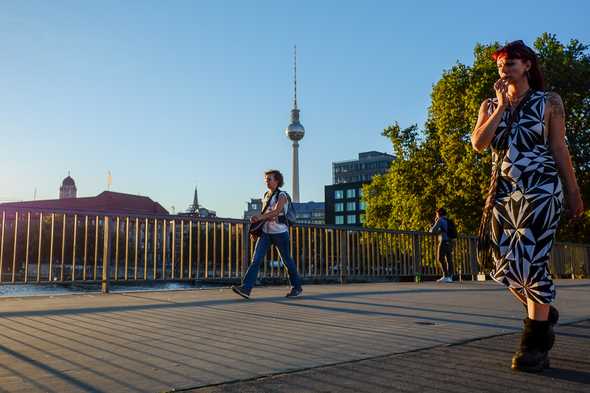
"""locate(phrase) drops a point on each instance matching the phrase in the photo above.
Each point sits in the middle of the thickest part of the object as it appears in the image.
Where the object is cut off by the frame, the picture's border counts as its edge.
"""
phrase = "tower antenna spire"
(295, 76)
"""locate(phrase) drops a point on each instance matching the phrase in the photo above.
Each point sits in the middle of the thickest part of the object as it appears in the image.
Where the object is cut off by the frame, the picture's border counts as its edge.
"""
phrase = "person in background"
(444, 252)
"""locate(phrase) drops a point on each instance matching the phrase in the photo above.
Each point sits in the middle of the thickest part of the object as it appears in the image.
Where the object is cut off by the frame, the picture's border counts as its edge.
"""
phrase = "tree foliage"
(437, 166)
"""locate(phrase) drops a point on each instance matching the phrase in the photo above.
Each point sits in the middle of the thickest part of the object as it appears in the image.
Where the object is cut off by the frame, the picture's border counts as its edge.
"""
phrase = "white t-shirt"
(274, 226)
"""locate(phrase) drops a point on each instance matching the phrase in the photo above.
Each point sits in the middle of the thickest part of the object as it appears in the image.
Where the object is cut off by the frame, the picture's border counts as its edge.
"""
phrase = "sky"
(177, 94)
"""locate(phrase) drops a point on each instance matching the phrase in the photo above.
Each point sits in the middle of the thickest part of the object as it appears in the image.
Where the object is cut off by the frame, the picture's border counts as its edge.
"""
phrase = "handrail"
(53, 245)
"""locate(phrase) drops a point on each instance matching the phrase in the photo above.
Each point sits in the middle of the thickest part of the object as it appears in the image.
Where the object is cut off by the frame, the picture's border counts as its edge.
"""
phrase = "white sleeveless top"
(274, 226)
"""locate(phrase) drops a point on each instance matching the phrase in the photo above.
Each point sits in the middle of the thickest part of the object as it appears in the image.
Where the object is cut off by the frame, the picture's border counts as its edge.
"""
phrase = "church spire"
(196, 200)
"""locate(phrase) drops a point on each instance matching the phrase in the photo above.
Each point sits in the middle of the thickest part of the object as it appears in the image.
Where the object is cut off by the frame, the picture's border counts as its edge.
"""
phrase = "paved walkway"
(160, 341)
(476, 366)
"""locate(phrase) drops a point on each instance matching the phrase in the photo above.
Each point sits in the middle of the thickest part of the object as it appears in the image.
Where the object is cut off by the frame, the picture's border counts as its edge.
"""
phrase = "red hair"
(519, 50)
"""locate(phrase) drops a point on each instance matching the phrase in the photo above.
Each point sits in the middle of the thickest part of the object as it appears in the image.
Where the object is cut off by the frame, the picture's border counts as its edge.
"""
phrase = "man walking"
(275, 231)
(444, 254)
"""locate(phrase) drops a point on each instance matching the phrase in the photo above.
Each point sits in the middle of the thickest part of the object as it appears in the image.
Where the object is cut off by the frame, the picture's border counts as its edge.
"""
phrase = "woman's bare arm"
(561, 153)
(486, 126)
(277, 210)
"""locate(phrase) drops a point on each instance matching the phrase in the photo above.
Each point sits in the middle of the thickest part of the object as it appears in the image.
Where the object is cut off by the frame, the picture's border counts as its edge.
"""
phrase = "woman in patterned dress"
(529, 195)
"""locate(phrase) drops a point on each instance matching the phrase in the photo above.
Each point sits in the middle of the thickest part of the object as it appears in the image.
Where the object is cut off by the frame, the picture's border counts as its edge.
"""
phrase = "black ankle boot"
(553, 315)
(536, 341)
(549, 341)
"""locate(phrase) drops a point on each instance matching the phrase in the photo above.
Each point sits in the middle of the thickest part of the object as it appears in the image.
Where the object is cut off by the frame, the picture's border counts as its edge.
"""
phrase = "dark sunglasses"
(518, 44)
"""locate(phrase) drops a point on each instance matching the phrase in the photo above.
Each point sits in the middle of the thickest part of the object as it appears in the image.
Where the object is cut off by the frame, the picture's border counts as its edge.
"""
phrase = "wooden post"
(245, 247)
(344, 260)
(106, 256)
(417, 257)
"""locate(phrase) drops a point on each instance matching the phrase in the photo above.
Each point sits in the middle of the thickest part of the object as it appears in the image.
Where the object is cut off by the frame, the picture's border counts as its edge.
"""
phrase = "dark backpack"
(451, 229)
(291, 217)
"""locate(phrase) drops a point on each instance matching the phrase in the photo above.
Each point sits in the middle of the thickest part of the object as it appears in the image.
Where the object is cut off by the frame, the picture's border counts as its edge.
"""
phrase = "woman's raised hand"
(501, 88)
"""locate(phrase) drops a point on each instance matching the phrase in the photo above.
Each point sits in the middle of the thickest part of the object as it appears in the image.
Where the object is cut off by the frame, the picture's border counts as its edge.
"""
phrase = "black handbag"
(255, 230)
(484, 233)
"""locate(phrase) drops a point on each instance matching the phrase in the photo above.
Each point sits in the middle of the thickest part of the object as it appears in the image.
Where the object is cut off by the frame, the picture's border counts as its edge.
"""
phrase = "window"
(338, 194)
(362, 218)
(351, 206)
(339, 220)
(351, 193)
(318, 214)
(339, 207)
(351, 219)
(363, 205)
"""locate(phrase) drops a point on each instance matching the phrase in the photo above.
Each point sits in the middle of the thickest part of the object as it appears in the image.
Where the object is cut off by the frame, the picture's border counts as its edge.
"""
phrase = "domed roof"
(295, 131)
(68, 181)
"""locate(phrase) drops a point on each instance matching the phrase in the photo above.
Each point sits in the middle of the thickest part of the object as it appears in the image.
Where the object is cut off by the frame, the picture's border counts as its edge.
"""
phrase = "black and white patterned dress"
(528, 203)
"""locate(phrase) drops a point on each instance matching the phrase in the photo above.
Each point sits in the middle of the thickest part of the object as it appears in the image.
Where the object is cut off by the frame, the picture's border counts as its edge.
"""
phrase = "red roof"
(106, 202)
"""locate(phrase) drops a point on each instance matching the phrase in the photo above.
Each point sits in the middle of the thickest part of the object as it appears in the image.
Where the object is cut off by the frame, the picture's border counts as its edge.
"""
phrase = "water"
(22, 290)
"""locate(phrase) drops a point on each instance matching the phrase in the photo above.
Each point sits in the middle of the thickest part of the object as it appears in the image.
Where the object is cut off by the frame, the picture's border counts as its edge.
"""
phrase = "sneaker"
(442, 279)
(294, 292)
(449, 279)
(241, 291)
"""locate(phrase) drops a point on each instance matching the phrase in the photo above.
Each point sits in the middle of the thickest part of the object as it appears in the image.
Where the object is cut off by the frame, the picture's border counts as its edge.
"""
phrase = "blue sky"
(169, 95)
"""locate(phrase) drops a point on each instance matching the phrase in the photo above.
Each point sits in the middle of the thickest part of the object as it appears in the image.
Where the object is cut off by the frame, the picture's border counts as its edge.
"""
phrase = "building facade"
(305, 212)
(107, 202)
(344, 203)
(369, 164)
(254, 208)
(310, 212)
(68, 188)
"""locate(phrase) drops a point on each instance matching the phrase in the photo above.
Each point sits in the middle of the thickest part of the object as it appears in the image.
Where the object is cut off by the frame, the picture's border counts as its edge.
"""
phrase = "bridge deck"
(159, 341)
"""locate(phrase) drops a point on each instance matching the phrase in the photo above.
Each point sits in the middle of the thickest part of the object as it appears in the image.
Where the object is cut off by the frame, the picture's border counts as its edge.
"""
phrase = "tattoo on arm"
(557, 108)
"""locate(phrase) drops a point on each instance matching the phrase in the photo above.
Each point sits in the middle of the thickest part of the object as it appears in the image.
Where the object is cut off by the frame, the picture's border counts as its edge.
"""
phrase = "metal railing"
(63, 246)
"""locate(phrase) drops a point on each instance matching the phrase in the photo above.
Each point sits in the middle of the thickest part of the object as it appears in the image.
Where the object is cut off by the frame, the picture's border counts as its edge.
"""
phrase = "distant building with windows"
(310, 212)
(369, 164)
(254, 208)
(305, 212)
(344, 203)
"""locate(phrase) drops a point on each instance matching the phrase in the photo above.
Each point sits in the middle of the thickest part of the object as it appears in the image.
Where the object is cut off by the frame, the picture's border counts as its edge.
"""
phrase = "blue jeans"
(282, 242)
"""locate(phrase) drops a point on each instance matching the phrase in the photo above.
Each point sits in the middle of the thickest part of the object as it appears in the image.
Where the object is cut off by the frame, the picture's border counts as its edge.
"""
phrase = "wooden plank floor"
(159, 341)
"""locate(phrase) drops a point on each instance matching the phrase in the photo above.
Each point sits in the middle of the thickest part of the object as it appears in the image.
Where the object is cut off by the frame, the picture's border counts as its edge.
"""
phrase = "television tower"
(295, 133)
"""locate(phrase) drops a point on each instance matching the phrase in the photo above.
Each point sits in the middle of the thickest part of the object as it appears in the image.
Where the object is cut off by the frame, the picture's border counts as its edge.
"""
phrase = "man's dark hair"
(441, 211)
(277, 175)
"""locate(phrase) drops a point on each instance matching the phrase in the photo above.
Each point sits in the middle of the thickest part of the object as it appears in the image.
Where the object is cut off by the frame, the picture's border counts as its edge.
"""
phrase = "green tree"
(441, 169)
(397, 200)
